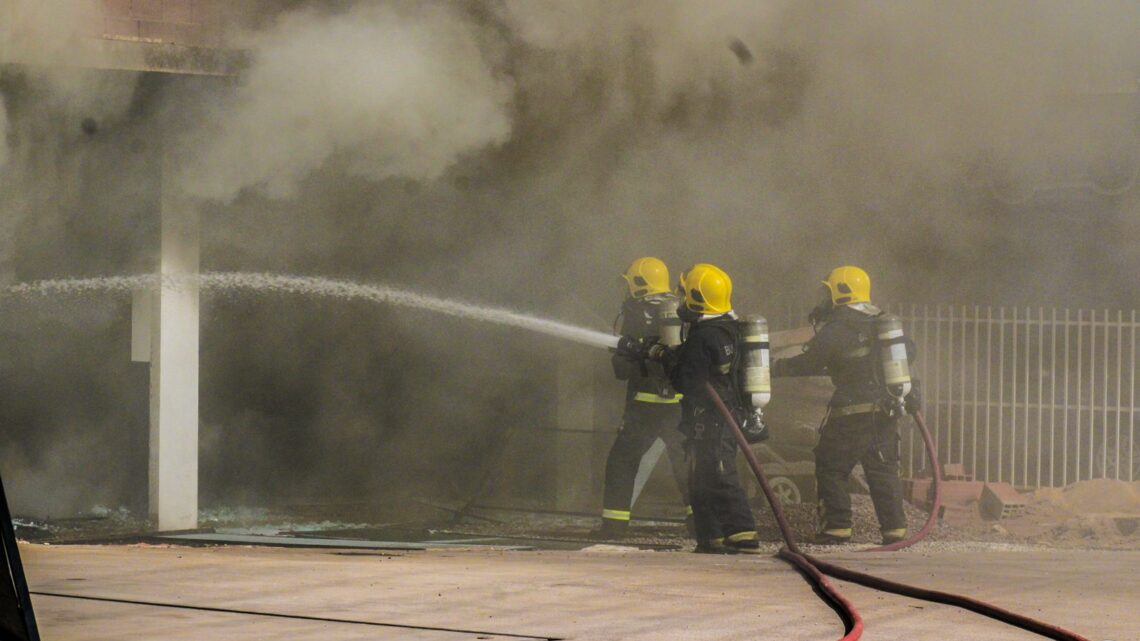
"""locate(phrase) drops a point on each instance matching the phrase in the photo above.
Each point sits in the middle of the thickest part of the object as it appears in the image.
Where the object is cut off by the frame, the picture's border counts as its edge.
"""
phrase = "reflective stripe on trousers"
(646, 397)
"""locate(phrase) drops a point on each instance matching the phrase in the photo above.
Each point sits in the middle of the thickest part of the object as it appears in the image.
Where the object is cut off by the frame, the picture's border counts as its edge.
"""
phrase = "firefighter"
(861, 425)
(722, 517)
(652, 408)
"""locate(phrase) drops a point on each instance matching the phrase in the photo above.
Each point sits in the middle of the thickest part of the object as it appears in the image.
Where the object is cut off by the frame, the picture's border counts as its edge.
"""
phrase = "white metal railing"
(1029, 396)
(1034, 397)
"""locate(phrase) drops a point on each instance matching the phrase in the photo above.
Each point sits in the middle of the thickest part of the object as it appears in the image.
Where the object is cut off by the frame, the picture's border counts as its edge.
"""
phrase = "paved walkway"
(447, 595)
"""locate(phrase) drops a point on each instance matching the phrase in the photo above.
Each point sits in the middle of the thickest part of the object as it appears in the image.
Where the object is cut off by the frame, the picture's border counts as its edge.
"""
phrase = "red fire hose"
(814, 569)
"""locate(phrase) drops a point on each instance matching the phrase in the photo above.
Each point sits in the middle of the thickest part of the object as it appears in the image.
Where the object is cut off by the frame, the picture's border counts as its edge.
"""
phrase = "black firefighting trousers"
(872, 439)
(720, 506)
(642, 424)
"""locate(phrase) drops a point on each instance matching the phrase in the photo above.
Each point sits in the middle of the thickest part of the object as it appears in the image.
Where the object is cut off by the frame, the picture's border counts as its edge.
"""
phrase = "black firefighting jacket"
(709, 354)
(845, 350)
(647, 381)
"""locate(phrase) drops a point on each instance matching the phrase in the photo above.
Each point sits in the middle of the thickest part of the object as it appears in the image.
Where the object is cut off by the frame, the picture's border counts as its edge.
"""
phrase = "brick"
(960, 514)
(1001, 501)
(961, 492)
(954, 493)
(917, 491)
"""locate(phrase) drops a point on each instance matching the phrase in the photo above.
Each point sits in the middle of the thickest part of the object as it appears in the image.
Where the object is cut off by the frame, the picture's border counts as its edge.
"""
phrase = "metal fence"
(1035, 397)
(1029, 396)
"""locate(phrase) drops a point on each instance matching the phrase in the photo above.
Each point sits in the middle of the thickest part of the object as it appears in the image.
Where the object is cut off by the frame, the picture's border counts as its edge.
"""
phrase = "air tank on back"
(668, 326)
(756, 378)
(892, 350)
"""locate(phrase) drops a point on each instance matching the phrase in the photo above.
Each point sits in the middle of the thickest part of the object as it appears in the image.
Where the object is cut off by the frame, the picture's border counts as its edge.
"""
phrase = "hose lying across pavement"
(814, 569)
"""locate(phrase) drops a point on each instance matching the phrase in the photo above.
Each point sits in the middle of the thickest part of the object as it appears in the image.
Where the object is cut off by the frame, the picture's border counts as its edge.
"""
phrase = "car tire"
(786, 490)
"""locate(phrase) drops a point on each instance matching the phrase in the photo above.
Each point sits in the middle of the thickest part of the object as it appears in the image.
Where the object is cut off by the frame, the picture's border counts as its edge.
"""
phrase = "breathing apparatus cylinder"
(756, 379)
(668, 327)
(892, 348)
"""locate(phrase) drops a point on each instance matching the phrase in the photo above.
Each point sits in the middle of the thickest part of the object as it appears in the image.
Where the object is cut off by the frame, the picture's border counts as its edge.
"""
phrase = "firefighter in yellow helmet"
(862, 423)
(722, 517)
(652, 408)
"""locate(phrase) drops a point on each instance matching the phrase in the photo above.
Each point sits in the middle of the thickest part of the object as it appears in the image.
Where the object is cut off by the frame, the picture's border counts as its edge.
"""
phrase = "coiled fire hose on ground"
(814, 569)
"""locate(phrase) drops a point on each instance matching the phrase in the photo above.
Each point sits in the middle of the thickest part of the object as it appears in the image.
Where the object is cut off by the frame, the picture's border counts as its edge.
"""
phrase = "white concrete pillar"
(174, 367)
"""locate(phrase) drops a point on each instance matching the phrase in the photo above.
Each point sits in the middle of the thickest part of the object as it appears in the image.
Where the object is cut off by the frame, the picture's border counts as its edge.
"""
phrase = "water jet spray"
(316, 287)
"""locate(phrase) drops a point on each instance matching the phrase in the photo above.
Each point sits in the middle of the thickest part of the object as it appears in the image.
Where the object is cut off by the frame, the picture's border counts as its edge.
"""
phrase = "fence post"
(1132, 399)
(989, 382)
(1001, 395)
(977, 400)
(1025, 414)
(962, 389)
(1080, 382)
(1040, 387)
(1065, 402)
(1119, 400)
(1053, 401)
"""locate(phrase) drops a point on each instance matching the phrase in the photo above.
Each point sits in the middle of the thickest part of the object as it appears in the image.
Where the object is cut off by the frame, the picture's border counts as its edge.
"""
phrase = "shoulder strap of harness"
(734, 367)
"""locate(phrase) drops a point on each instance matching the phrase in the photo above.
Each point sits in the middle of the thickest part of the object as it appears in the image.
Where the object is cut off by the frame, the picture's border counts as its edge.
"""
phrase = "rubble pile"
(1099, 513)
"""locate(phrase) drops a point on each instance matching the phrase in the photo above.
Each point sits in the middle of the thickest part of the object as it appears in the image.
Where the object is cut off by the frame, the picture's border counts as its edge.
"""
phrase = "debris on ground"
(1096, 514)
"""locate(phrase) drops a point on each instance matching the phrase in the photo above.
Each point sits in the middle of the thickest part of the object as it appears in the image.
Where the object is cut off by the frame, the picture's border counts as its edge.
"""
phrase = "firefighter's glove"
(664, 355)
(913, 401)
(631, 348)
(754, 428)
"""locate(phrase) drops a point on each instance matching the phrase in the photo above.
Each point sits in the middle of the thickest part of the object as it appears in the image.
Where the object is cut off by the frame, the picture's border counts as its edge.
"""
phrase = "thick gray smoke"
(57, 101)
(390, 90)
(521, 154)
(916, 140)
(37, 31)
(915, 111)
(20, 25)
(909, 139)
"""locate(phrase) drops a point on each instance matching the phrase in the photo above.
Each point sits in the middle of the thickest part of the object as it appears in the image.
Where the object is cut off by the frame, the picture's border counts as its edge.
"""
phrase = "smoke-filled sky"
(521, 153)
(906, 137)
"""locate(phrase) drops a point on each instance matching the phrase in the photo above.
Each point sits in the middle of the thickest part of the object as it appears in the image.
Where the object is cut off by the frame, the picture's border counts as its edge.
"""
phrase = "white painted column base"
(174, 368)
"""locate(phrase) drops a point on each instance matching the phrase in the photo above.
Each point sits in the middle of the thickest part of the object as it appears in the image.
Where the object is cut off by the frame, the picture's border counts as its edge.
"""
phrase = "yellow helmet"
(707, 289)
(848, 285)
(647, 276)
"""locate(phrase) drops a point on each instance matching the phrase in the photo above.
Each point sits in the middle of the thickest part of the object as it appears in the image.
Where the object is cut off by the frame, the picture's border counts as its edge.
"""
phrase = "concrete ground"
(597, 593)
